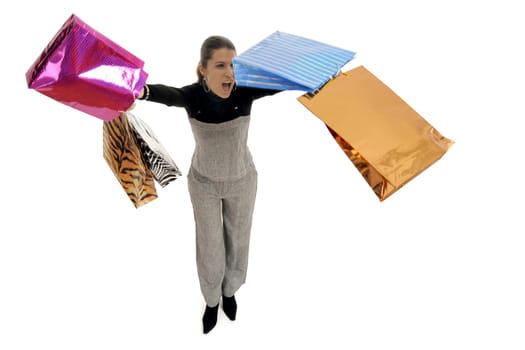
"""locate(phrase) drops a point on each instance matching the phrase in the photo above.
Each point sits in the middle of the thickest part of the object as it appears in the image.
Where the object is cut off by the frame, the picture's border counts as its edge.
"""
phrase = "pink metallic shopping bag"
(85, 70)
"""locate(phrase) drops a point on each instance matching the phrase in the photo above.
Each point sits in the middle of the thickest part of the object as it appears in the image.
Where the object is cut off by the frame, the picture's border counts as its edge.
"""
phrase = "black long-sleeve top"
(206, 106)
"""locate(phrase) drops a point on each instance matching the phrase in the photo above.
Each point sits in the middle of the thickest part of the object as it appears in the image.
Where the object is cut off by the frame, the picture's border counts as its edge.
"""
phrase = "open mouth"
(227, 86)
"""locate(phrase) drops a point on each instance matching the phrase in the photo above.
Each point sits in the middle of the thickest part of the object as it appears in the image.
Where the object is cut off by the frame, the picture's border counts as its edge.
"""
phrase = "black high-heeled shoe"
(209, 319)
(229, 305)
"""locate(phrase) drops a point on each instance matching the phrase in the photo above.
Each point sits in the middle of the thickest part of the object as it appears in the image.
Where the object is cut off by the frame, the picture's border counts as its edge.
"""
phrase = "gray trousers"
(223, 218)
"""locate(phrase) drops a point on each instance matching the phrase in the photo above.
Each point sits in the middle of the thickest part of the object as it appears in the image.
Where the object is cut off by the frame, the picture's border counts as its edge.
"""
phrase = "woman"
(222, 180)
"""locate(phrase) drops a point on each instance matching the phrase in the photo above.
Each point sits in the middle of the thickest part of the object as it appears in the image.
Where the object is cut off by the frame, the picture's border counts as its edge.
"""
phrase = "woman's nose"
(230, 73)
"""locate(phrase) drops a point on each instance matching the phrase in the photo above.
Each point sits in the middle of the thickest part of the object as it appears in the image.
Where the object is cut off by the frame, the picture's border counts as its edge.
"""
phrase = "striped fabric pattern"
(284, 61)
(156, 157)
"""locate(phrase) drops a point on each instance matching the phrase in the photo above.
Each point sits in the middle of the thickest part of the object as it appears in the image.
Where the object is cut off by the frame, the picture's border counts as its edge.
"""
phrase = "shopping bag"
(386, 139)
(155, 156)
(285, 61)
(123, 155)
(84, 69)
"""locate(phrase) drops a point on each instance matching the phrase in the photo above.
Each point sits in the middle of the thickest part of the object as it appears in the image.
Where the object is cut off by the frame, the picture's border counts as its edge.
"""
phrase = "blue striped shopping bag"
(284, 61)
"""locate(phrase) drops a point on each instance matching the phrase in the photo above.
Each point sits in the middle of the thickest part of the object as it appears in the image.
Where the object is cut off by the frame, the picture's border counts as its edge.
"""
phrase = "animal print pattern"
(153, 152)
(123, 155)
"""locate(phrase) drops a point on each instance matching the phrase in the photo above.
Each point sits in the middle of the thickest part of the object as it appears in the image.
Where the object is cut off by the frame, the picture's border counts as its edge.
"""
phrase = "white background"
(439, 265)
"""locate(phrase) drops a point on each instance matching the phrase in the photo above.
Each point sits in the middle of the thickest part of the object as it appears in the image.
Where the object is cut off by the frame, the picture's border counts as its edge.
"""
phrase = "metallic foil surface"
(83, 69)
(387, 140)
(375, 180)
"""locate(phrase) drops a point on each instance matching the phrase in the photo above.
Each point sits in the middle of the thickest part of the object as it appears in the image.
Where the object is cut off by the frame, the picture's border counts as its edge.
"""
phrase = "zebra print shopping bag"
(137, 158)
(155, 156)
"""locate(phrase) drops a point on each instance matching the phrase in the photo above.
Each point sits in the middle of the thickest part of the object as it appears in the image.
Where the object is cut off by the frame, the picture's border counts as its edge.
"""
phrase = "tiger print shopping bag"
(123, 155)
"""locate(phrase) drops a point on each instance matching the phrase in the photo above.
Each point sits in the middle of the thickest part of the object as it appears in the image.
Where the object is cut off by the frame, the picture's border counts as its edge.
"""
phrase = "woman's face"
(219, 72)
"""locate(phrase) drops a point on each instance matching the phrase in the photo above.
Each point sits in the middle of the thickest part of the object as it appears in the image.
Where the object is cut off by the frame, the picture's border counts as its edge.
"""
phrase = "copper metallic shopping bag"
(85, 70)
(386, 139)
(123, 155)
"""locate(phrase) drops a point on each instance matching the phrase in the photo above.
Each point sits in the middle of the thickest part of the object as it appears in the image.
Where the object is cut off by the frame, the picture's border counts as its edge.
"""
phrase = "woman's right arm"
(170, 96)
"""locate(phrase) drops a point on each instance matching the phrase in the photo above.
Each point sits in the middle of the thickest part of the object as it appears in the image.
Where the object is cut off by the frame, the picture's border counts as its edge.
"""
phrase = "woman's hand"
(141, 94)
